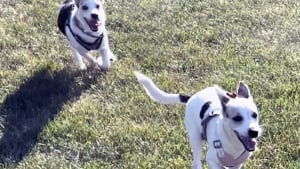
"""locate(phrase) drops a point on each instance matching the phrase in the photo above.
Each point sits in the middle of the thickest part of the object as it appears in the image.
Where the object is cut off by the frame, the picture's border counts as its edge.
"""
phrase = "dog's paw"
(112, 57)
(82, 67)
(103, 65)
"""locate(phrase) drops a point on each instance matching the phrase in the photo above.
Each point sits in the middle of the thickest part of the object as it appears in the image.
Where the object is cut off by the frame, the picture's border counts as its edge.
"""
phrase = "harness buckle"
(217, 144)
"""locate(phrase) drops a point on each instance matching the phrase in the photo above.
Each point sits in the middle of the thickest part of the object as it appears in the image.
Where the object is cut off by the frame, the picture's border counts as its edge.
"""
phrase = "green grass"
(53, 116)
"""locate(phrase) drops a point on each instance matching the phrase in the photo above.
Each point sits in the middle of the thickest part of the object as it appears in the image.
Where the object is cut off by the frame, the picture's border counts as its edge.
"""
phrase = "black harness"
(64, 20)
(204, 125)
(205, 121)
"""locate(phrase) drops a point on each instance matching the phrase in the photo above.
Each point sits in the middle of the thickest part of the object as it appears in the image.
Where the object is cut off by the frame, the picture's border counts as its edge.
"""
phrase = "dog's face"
(90, 14)
(241, 115)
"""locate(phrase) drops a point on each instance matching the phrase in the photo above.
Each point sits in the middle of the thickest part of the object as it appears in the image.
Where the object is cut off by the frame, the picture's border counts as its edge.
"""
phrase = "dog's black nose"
(252, 133)
(94, 16)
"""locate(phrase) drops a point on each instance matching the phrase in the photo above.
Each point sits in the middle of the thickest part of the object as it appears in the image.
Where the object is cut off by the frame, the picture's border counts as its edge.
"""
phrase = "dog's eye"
(84, 7)
(97, 6)
(237, 118)
(254, 115)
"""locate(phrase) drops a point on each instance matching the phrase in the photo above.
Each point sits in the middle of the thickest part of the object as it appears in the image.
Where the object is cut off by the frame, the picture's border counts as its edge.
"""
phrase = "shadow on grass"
(37, 101)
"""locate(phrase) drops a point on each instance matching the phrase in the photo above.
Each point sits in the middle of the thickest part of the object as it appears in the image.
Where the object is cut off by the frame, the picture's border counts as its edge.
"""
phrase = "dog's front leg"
(213, 165)
(212, 160)
(196, 145)
(78, 60)
(236, 167)
(104, 63)
(107, 56)
(90, 58)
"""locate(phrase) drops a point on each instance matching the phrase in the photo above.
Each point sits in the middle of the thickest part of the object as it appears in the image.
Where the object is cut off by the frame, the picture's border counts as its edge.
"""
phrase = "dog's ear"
(224, 97)
(243, 90)
(77, 3)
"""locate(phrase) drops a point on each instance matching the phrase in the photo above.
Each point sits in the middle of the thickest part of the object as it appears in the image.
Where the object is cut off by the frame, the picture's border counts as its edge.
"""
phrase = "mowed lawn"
(54, 117)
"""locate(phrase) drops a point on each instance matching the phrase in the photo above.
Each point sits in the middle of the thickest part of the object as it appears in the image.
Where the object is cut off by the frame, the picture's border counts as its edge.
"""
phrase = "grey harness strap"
(226, 159)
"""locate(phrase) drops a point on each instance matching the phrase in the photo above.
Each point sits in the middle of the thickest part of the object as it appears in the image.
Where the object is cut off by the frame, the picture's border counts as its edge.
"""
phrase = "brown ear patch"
(231, 95)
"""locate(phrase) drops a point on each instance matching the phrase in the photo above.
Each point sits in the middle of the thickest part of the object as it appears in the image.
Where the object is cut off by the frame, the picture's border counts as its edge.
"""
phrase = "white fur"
(219, 128)
(82, 29)
(154, 92)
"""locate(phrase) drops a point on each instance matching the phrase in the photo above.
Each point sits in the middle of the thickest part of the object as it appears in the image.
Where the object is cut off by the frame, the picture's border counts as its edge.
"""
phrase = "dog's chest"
(209, 132)
(227, 159)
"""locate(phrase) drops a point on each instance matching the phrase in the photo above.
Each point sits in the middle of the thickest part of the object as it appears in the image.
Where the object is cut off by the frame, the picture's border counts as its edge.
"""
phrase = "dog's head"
(90, 14)
(241, 115)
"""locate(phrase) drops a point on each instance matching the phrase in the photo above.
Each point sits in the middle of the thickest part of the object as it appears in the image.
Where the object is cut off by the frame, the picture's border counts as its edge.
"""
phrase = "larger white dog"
(227, 121)
(83, 23)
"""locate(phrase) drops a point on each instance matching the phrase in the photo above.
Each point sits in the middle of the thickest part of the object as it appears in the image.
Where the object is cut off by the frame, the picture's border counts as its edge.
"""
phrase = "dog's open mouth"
(94, 24)
(249, 143)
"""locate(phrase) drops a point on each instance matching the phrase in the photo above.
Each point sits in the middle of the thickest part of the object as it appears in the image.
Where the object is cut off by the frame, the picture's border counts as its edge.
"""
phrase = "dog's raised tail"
(157, 94)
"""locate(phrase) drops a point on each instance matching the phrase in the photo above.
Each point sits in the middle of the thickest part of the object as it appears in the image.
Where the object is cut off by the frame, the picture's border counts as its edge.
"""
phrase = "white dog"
(83, 23)
(227, 121)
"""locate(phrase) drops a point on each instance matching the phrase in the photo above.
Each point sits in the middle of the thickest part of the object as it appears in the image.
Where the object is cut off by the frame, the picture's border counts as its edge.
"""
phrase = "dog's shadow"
(37, 101)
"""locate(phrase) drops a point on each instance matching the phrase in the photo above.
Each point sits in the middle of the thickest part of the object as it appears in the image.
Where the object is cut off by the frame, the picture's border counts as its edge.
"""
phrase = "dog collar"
(204, 125)
(226, 159)
(205, 121)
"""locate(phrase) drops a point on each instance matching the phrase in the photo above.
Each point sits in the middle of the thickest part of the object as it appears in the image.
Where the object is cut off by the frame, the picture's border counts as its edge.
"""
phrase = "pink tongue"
(97, 24)
(248, 143)
(94, 24)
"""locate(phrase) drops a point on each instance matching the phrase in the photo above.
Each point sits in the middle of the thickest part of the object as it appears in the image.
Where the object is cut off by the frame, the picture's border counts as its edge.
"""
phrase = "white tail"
(158, 95)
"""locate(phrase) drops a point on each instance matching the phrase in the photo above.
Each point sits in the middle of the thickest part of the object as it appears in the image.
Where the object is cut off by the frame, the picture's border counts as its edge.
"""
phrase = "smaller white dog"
(227, 121)
(83, 23)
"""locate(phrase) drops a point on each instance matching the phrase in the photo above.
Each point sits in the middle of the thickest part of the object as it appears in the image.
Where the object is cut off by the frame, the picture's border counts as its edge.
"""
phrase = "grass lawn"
(53, 116)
